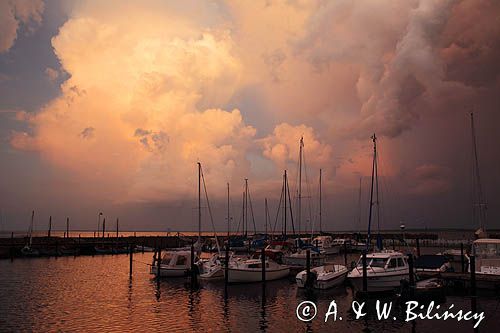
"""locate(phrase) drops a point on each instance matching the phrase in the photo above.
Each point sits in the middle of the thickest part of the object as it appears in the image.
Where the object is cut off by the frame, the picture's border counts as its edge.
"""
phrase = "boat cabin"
(386, 260)
(487, 252)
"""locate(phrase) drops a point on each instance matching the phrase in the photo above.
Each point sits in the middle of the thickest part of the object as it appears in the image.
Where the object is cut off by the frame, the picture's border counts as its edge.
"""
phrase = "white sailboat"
(28, 250)
(250, 270)
(324, 277)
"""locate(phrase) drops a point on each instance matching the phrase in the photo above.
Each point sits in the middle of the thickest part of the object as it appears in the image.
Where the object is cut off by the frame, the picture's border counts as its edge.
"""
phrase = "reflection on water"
(95, 294)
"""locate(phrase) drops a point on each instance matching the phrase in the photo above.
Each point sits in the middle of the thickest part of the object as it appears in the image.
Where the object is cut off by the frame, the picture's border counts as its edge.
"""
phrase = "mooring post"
(193, 268)
(226, 267)
(308, 268)
(158, 262)
(393, 245)
(462, 258)
(418, 247)
(11, 247)
(473, 282)
(345, 253)
(410, 272)
(131, 258)
(57, 247)
(50, 226)
(263, 258)
(365, 277)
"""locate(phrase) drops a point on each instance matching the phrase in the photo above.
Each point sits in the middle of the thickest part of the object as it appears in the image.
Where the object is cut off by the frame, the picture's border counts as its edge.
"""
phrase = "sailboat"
(385, 269)
(485, 250)
(28, 250)
(178, 262)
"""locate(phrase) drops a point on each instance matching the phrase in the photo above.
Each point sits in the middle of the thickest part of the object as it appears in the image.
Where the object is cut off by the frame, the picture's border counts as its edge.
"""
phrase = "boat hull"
(301, 261)
(380, 282)
(166, 271)
(328, 281)
(245, 275)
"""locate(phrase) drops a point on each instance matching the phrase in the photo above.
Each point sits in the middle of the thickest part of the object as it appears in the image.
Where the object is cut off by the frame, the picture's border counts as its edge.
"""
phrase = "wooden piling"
(67, 227)
(263, 258)
(462, 258)
(308, 269)
(158, 262)
(226, 266)
(365, 274)
(393, 244)
(103, 227)
(345, 253)
(411, 275)
(193, 268)
(473, 298)
(11, 250)
(131, 249)
(417, 241)
(50, 226)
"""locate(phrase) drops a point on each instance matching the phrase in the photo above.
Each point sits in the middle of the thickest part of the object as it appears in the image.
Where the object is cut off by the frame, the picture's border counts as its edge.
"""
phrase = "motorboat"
(250, 270)
(324, 277)
(325, 245)
(432, 263)
(384, 271)
(487, 253)
(358, 246)
(172, 264)
(212, 268)
(299, 258)
(342, 243)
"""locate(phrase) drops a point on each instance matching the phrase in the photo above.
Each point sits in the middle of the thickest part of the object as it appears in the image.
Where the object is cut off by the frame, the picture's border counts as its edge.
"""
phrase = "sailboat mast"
(31, 226)
(301, 145)
(267, 213)
(320, 225)
(199, 203)
(477, 189)
(374, 139)
(228, 225)
(246, 207)
(285, 192)
(359, 204)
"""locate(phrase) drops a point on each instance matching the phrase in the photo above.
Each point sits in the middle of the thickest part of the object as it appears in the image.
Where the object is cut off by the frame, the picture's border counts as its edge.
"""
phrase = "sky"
(108, 106)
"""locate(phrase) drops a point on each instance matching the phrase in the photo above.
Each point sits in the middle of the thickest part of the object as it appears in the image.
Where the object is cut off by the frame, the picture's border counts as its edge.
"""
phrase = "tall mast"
(359, 204)
(199, 203)
(267, 213)
(228, 225)
(478, 200)
(285, 192)
(301, 145)
(320, 226)
(31, 226)
(374, 139)
(246, 207)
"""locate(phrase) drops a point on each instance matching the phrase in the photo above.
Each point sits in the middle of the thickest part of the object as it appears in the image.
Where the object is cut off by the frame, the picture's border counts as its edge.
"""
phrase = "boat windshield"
(165, 259)
(487, 250)
(373, 262)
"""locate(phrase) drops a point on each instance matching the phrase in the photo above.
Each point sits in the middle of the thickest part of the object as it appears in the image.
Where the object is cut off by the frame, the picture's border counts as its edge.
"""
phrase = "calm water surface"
(95, 294)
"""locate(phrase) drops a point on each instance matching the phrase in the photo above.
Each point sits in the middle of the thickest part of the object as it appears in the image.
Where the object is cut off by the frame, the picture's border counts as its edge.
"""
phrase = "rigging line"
(210, 211)
(240, 219)
(481, 204)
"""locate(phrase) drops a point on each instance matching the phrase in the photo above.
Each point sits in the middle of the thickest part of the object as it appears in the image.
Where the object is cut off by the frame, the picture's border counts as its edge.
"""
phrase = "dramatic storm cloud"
(147, 89)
